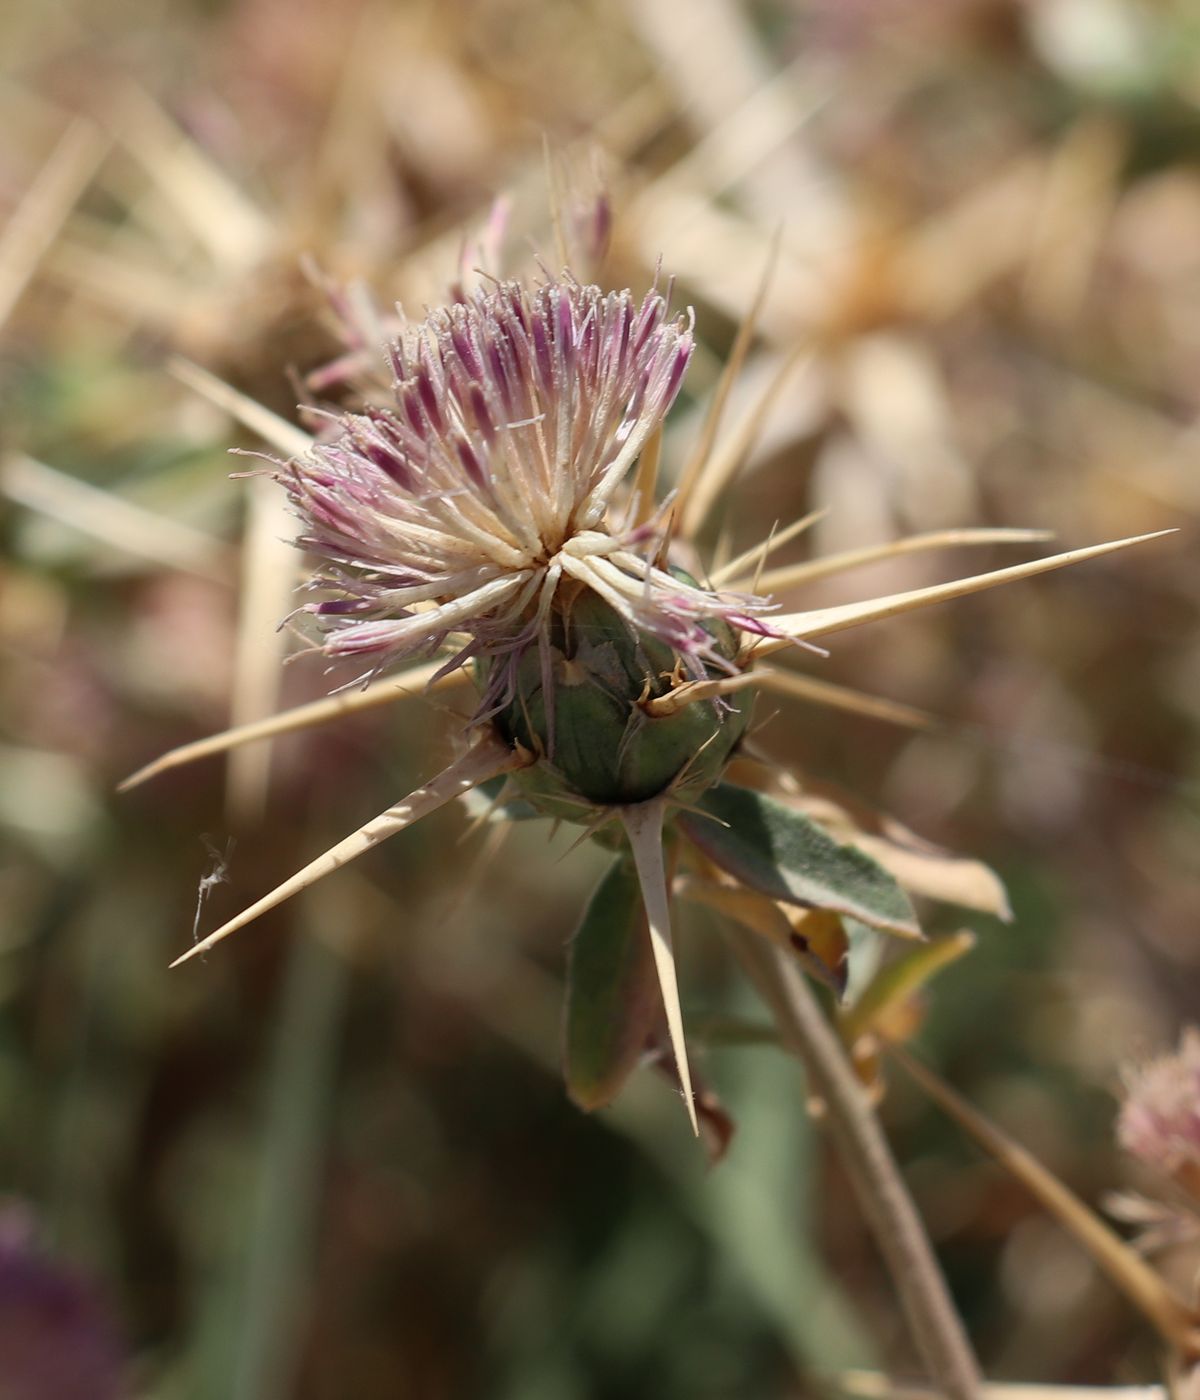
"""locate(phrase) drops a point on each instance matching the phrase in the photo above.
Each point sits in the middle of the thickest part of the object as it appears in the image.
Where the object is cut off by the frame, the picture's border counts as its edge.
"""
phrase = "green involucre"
(602, 748)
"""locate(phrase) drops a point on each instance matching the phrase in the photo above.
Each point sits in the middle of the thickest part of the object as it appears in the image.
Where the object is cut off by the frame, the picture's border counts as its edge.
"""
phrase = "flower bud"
(597, 741)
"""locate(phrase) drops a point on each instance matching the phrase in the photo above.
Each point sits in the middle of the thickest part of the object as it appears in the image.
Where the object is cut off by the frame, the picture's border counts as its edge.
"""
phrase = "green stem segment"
(928, 1307)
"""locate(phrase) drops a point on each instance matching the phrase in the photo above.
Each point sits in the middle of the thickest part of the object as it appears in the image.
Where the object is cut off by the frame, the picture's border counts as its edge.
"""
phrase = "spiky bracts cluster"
(494, 478)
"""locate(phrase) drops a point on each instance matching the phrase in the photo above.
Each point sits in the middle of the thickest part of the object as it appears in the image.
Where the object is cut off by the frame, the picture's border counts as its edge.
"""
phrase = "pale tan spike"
(753, 558)
(798, 686)
(488, 759)
(285, 436)
(381, 692)
(822, 621)
(264, 595)
(692, 691)
(645, 481)
(810, 570)
(644, 824)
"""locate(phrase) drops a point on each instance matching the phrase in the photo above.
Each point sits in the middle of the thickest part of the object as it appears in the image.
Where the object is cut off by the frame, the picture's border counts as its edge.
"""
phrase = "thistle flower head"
(494, 479)
(57, 1337)
(1160, 1118)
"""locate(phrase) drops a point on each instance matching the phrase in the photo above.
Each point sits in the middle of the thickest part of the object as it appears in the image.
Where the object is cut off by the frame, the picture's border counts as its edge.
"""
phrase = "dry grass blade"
(727, 459)
(753, 558)
(1171, 1318)
(216, 211)
(264, 597)
(381, 692)
(112, 520)
(733, 151)
(962, 249)
(47, 203)
(741, 111)
(1068, 236)
(822, 621)
(696, 468)
(643, 825)
(281, 434)
(842, 697)
(813, 569)
(488, 759)
(150, 296)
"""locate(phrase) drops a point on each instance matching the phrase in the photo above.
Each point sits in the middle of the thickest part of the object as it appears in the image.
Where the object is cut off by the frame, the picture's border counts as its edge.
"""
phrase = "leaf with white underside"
(644, 826)
(782, 854)
(487, 759)
(612, 991)
(822, 621)
(897, 982)
(921, 867)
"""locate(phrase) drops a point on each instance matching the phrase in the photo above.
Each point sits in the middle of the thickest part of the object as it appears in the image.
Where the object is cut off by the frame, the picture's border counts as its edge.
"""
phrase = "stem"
(928, 1307)
(1174, 1321)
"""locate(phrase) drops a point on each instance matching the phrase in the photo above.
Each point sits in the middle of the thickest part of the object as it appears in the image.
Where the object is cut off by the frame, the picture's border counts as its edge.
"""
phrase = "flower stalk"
(1146, 1290)
(928, 1307)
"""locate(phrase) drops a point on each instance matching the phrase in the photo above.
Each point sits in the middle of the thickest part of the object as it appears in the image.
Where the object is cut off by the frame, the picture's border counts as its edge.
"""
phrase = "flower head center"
(460, 507)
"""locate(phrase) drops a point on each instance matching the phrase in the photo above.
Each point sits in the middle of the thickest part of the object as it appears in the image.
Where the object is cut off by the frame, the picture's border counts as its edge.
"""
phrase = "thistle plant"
(499, 515)
(496, 523)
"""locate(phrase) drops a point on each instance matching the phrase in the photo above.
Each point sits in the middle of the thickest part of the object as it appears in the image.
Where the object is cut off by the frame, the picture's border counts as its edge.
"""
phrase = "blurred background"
(336, 1159)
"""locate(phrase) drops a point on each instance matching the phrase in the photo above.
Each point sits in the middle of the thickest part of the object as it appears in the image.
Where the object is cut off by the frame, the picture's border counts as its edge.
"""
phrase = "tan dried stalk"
(882, 1194)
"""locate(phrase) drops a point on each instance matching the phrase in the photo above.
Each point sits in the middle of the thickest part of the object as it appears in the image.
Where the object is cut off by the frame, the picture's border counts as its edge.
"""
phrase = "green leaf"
(612, 991)
(898, 981)
(781, 853)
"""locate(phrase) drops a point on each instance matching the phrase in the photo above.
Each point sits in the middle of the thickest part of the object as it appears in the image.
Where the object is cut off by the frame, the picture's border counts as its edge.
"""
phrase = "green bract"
(613, 1003)
(602, 746)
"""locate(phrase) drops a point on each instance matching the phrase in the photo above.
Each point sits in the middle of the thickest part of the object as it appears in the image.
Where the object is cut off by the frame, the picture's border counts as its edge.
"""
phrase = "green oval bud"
(606, 748)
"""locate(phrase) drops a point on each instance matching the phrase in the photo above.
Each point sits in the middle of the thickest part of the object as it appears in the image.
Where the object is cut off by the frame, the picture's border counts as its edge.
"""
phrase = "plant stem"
(928, 1307)
(1146, 1289)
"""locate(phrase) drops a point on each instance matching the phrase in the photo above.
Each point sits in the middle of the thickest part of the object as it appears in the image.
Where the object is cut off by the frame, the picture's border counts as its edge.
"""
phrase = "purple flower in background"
(495, 479)
(57, 1340)
(1160, 1118)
